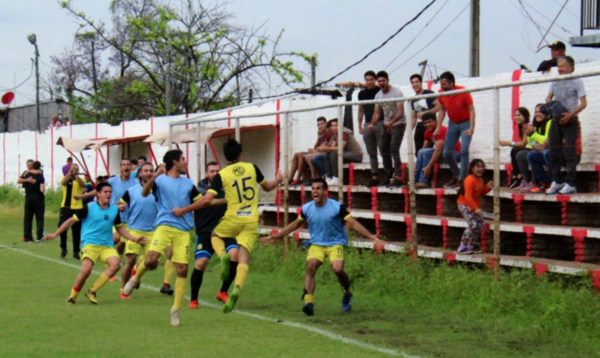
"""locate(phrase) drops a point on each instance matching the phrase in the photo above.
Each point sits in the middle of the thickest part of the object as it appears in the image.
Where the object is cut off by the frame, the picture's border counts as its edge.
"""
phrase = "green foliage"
(13, 199)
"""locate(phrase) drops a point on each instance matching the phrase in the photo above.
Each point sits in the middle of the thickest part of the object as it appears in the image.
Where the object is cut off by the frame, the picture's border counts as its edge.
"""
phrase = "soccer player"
(120, 184)
(172, 190)
(239, 180)
(328, 238)
(98, 219)
(206, 220)
(140, 221)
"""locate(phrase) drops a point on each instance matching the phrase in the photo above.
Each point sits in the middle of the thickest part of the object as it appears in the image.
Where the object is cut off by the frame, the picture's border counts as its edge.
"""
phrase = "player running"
(206, 219)
(172, 190)
(120, 184)
(239, 180)
(98, 219)
(328, 238)
(140, 221)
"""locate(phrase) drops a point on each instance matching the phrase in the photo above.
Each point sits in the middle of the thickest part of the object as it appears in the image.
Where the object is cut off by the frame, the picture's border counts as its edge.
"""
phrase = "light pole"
(33, 40)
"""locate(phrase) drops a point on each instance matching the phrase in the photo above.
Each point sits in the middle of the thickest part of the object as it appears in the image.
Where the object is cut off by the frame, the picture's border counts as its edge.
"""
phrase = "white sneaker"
(130, 286)
(567, 189)
(174, 317)
(554, 188)
(333, 181)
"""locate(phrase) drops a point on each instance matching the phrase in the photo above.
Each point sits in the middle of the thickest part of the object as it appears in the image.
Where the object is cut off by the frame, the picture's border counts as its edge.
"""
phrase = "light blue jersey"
(326, 223)
(97, 224)
(175, 193)
(119, 188)
(142, 211)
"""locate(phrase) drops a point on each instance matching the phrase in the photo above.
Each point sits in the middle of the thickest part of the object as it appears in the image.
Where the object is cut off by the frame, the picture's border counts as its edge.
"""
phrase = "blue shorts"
(204, 246)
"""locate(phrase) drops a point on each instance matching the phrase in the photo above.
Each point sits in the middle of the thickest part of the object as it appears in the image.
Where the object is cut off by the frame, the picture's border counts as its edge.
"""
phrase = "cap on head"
(558, 45)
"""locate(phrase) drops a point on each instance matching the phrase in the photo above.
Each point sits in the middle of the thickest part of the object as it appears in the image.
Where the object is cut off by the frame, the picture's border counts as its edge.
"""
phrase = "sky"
(339, 31)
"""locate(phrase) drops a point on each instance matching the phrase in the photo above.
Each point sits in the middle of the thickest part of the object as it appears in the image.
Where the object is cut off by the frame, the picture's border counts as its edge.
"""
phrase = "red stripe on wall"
(229, 119)
(516, 102)
(277, 137)
(151, 125)
(187, 147)
(123, 130)
(429, 84)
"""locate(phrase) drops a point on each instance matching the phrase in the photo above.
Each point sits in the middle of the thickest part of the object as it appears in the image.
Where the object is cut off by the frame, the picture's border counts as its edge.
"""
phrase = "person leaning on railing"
(520, 178)
(564, 130)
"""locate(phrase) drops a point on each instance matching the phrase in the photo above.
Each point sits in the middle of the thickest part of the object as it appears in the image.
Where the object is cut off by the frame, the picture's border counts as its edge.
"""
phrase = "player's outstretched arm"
(364, 232)
(201, 203)
(64, 227)
(142, 240)
(271, 185)
(284, 232)
(217, 202)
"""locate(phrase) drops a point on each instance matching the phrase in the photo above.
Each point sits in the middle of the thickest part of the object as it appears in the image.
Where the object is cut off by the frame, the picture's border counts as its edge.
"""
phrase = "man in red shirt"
(461, 125)
(431, 152)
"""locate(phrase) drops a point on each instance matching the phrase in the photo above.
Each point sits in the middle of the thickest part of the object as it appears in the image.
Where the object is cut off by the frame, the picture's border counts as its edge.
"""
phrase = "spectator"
(89, 192)
(373, 138)
(431, 152)
(419, 109)
(135, 166)
(141, 160)
(571, 95)
(72, 185)
(522, 147)
(352, 153)
(67, 167)
(394, 123)
(317, 160)
(538, 156)
(300, 157)
(557, 49)
(469, 197)
(461, 125)
(34, 185)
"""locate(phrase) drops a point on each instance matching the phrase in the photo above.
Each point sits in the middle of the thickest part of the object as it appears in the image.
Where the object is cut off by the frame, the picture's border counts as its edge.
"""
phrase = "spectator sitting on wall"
(557, 49)
(301, 157)
(34, 185)
(519, 151)
(317, 159)
(419, 109)
(431, 153)
(564, 131)
(461, 125)
(373, 137)
(67, 167)
(352, 153)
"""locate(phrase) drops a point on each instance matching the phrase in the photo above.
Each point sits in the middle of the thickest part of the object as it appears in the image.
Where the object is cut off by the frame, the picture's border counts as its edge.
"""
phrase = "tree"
(121, 72)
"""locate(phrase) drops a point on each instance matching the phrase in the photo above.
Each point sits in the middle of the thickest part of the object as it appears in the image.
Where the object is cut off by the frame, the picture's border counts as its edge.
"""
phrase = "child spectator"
(520, 148)
(469, 197)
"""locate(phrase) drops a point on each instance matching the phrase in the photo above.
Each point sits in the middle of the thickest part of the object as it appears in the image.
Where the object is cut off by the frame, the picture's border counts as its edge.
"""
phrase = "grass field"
(427, 310)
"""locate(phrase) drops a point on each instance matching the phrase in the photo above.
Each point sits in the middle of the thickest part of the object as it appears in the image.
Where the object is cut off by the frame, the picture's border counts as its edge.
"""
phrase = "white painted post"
(411, 177)
(340, 144)
(496, 183)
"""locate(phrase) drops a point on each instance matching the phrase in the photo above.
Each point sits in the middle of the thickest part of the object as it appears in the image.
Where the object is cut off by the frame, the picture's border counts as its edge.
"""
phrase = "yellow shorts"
(122, 238)
(96, 252)
(135, 248)
(245, 234)
(169, 236)
(335, 253)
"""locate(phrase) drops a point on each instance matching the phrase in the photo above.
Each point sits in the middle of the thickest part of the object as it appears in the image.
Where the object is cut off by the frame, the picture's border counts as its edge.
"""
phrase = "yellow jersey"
(68, 195)
(240, 182)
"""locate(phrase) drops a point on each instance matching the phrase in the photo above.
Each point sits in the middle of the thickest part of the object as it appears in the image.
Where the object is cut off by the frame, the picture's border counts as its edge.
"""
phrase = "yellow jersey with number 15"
(240, 182)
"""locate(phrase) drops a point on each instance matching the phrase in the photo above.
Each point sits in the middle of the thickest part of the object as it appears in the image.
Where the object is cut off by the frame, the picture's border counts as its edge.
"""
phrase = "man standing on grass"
(328, 238)
(120, 184)
(98, 220)
(34, 185)
(72, 188)
(206, 220)
(140, 222)
(239, 180)
(461, 126)
(172, 191)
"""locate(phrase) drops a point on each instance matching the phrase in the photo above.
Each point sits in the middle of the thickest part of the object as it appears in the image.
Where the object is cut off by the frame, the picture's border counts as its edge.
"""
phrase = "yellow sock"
(309, 299)
(241, 274)
(101, 281)
(179, 292)
(218, 245)
(140, 259)
(74, 293)
(169, 267)
(141, 270)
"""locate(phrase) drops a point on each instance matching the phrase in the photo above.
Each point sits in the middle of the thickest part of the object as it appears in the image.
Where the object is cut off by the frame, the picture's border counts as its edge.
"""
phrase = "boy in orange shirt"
(469, 197)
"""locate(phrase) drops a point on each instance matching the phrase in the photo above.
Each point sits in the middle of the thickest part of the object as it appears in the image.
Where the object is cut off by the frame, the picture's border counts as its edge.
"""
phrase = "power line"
(549, 19)
(420, 32)
(433, 40)
(538, 26)
(569, 11)
(445, 69)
